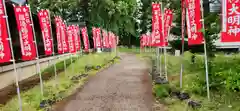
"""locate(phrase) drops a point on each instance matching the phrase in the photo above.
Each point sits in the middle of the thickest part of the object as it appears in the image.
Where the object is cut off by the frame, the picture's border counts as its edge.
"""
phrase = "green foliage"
(224, 80)
(161, 91)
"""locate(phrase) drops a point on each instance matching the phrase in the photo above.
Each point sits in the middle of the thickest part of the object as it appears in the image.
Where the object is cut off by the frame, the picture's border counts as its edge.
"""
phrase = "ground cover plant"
(223, 77)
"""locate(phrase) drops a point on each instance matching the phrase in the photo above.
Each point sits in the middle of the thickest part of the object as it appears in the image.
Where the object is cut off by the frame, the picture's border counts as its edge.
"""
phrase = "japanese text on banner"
(194, 25)
(5, 51)
(25, 32)
(85, 39)
(168, 16)
(157, 33)
(71, 44)
(98, 38)
(231, 21)
(46, 31)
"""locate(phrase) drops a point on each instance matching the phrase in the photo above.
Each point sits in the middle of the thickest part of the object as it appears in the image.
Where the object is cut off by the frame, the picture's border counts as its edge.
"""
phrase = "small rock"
(194, 104)
(161, 81)
(183, 96)
(175, 93)
(45, 103)
(98, 67)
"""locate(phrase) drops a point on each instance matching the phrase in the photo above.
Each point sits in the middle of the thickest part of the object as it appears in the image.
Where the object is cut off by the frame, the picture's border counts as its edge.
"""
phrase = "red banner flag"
(72, 48)
(157, 25)
(114, 41)
(5, 51)
(94, 37)
(230, 21)
(98, 38)
(85, 39)
(183, 4)
(194, 25)
(142, 41)
(64, 38)
(109, 39)
(148, 40)
(28, 48)
(105, 39)
(79, 38)
(58, 21)
(168, 17)
(76, 37)
(45, 26)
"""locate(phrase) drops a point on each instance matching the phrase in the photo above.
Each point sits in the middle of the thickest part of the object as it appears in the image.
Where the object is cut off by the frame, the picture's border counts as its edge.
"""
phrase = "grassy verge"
(60, 88)
(224, 83)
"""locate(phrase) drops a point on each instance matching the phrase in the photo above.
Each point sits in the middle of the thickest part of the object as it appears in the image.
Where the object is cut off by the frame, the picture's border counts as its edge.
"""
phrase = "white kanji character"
(234, 9)
(28, 54)
(2, 54)
(24, 9)
(235, 30)
(236, 19)
(193, 28)
(40, 13)
(27, 47)
(18, 9)
(26, 43)
(21, 17)
(1, 46)
(194, 36)
(44, 20)
(191, 6)
(192, 13)
(1, 11)
(24, 30)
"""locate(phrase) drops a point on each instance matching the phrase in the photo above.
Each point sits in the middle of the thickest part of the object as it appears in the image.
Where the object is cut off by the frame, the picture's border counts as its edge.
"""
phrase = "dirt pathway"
(123, 87)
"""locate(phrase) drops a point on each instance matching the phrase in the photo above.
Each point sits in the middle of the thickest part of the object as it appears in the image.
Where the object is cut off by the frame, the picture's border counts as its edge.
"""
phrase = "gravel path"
(124, 86)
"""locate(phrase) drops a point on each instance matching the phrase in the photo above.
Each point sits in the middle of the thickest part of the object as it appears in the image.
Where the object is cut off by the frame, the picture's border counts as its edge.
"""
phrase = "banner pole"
(13, 57)
(157, 62)
(65, 66)
(53, 53)
(160, 62)
(183, 32)
(162, 48)
(64, 61)
(205, 52)
(165, 58)
(36, 47)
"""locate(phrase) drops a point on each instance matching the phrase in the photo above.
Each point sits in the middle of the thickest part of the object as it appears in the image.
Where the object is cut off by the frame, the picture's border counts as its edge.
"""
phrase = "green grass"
(62, 87)
(224, 76)
(129, 50)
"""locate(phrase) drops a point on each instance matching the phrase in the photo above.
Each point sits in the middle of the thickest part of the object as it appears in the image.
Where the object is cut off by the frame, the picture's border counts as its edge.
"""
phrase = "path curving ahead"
(124, 86)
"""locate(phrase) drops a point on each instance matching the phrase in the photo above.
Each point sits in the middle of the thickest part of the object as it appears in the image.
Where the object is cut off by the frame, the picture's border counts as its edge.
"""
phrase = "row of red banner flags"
(68, 37)
(161, 25)
(230, 23)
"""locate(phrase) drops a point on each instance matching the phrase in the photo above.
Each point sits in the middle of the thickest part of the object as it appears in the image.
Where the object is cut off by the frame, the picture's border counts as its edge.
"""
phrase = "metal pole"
(183, 32)
(65, 66)
(157, 62)
(205, 53)
(53, 53)
(36, 47)
(165, 55)
(160, 62)
(165, 62)
(13, 58)
(64, 61)
(72, 63)
(162, 17)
